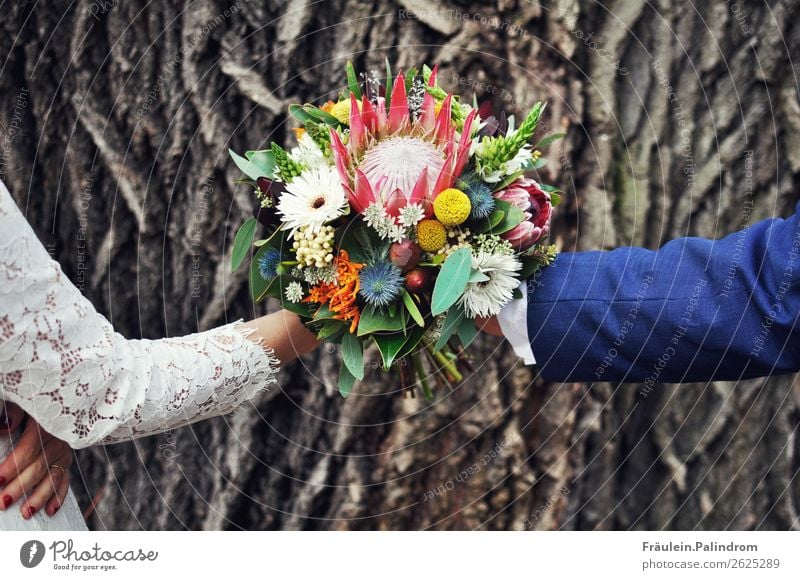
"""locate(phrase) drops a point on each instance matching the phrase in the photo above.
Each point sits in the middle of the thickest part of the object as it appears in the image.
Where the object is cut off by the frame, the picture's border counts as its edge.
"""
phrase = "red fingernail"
(55, 509)
(31, 511)
(7, 501)
(2, 481)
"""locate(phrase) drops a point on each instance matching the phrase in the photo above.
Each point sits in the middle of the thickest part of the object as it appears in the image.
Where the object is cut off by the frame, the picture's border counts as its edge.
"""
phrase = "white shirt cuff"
(513, 319)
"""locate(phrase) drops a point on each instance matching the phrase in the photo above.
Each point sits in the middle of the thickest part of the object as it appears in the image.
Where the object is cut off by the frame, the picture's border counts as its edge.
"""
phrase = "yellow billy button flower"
(431, 235)
(452, 207)
(341, 111)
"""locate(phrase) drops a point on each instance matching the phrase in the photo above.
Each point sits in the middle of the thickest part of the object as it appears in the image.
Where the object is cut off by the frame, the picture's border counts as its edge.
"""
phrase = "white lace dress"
(65, 366)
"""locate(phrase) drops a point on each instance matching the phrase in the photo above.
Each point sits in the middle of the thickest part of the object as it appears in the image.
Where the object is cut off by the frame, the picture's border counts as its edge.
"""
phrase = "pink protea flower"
(396, 159)
(534, 202)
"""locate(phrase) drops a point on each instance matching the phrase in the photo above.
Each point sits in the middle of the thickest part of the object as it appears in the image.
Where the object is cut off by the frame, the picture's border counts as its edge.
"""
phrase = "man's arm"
(694, 310)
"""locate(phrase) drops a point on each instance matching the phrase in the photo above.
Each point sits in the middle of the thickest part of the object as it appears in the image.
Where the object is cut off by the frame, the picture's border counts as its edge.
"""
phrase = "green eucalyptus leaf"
(450, 326)
(476, 276)
(467, 331)
(249, 168)
(243, 242)
(264, 160)
(451, 281)
(353, 355)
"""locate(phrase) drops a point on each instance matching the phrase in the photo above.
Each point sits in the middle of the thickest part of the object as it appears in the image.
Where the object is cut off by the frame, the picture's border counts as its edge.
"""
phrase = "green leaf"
(492, 221)
(389, 81)
(277, 290)
(509, 180)
(249, 168)
(539, 163)
(352, 80)
(547, 140)
(373, 320)
(258, 286)
(353, 355)
(346, 381)
(530, 264)
(476, 276)
(321, 116)
(467, 331)
(264, 160)
(412, 308)
(299, 113)
(513, 217)
(451, 322)
(414, 337)
(330, 329)
(451, 281)
(243, 242)
(389, 346)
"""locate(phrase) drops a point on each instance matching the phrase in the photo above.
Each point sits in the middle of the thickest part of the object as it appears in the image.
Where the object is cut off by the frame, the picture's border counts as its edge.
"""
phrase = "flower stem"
(416, 361)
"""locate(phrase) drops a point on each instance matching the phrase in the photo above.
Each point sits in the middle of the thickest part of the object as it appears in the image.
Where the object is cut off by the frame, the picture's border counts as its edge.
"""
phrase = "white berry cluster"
(457, 239)
(313, 249)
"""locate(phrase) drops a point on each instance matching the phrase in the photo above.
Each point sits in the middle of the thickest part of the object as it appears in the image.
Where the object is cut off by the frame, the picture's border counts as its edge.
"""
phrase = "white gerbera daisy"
(312, 199)
(487, 297)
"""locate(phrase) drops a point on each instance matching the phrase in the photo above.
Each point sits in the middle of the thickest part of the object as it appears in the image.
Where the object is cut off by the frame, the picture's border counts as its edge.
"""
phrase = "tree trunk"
(681, 120)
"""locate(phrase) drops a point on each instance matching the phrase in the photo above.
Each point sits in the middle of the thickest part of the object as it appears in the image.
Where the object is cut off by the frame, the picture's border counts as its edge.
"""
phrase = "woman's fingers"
(26, 450)
(57, 500)
(37, 470)
(44, 491)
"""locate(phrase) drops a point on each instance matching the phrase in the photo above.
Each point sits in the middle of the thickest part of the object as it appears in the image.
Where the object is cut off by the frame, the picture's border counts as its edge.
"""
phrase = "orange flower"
(298, 132)
(340, 297)
(327, 106)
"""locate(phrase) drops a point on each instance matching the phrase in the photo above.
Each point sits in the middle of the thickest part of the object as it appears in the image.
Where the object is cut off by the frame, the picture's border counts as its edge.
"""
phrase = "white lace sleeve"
(62, 362)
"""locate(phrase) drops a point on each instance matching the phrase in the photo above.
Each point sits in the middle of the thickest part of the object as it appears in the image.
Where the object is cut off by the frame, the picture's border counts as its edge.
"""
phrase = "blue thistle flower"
(381, 283)
(268, 263)
(479, 194)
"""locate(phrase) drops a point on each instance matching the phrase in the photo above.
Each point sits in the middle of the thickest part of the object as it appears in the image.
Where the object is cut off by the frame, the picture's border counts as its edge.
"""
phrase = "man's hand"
(37, 468)
(489, 326)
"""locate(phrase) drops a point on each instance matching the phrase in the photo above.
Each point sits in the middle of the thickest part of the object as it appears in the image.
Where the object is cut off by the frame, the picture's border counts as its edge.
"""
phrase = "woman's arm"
(64, 364)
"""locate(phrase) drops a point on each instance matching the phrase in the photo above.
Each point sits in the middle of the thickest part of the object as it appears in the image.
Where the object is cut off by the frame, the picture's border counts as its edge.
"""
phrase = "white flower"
(294, 292)
(312, 199)
(383, 224)
(308, 152)
(487, 297)
(411, 215)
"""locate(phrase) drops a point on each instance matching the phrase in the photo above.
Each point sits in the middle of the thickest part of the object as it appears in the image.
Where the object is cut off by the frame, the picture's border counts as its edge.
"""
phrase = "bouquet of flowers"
(400, 217)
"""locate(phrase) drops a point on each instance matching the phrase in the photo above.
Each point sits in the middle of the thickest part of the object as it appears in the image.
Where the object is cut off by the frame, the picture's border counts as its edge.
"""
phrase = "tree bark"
(681, 120)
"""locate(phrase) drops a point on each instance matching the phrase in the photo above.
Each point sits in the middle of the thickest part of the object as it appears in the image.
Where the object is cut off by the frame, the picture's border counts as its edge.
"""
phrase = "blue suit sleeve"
(694, 310)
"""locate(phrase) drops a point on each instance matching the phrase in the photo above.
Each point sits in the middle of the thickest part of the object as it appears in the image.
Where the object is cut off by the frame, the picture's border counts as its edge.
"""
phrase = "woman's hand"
(37, 467)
